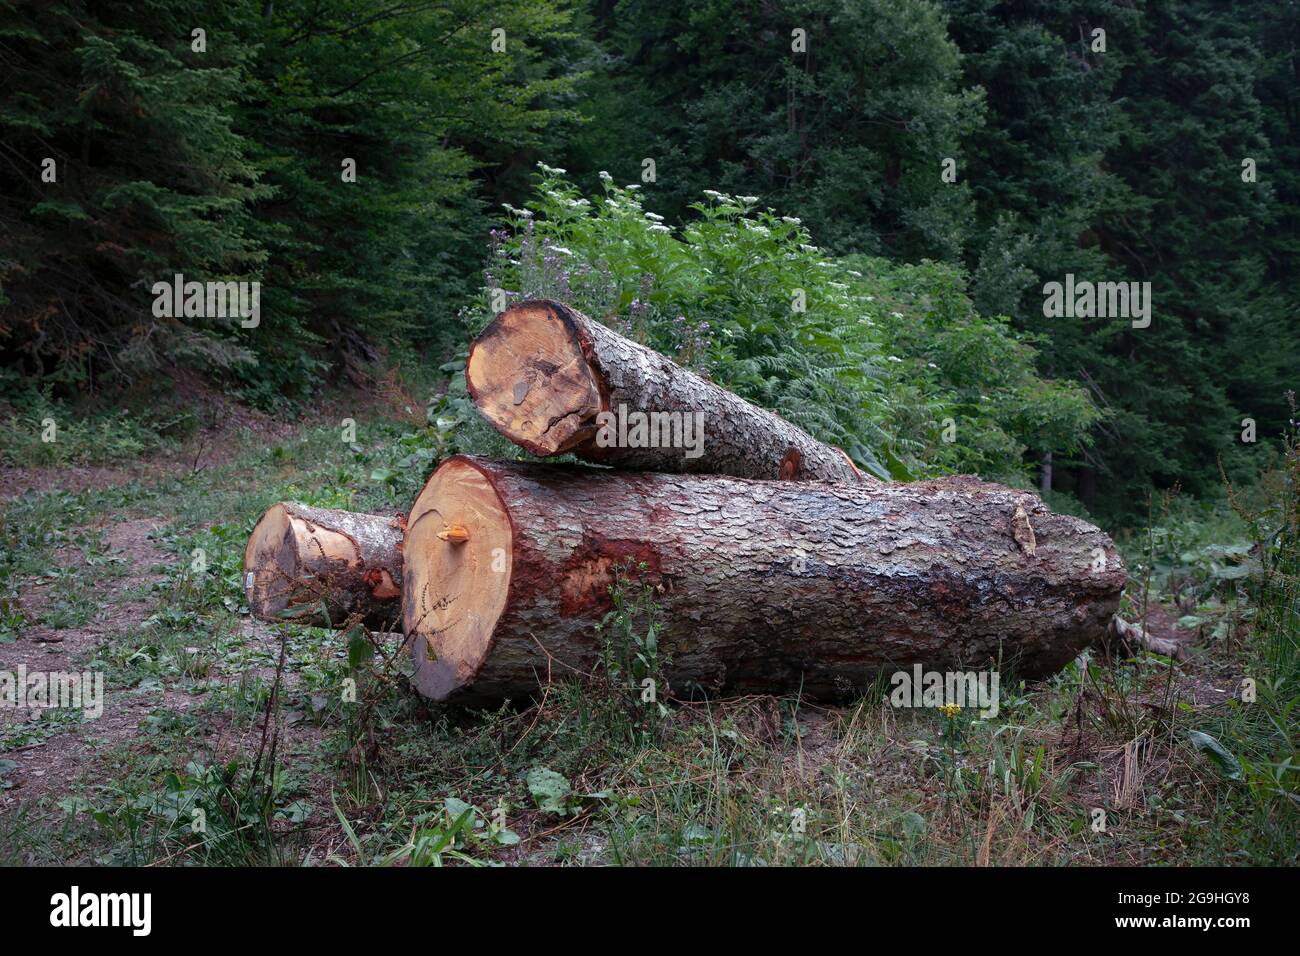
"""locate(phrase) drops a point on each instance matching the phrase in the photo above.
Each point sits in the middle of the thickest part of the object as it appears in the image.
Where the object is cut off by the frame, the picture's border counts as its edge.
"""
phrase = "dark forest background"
(219, 156)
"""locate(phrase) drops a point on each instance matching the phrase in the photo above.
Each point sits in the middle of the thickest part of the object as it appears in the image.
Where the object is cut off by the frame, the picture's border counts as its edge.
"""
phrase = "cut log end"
(323, 567)
(457, 592)
(271, 564)
(528, 375)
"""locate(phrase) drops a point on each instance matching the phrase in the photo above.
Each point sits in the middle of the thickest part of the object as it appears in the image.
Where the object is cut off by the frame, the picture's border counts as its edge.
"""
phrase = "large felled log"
(547, 377)
(322, 567)
(766, 586)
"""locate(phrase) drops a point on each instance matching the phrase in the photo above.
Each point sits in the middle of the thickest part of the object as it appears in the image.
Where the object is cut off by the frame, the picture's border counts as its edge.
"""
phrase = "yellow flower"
(951, 710)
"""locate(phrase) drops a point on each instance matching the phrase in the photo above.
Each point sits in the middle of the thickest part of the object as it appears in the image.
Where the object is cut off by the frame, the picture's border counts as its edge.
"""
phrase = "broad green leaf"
(550, 789)
(1228, 764)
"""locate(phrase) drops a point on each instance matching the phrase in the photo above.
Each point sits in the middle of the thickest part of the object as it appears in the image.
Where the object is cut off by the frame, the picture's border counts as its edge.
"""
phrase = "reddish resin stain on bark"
(587, 574)
(381, 584)
(791, 465)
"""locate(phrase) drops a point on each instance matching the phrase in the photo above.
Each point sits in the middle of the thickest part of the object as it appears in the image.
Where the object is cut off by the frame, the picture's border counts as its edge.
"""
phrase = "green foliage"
(1195, 549)
(630, 656)
(1265, 728)
(211, 814)
(551, 790)
(1189, 223)
(848, 133)
(227, 163)
(418, 98)
(38, 428)
(1127, 165)
(438, 838)
(979, 371)
(151, 176)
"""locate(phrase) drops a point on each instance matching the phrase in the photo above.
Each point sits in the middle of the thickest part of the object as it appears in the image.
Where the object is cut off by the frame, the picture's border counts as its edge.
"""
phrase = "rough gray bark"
(766, 586)
(324, 567)
(543, 372)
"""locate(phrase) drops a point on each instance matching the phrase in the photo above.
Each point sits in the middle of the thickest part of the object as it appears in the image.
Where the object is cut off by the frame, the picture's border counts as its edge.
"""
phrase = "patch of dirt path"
(52, 762)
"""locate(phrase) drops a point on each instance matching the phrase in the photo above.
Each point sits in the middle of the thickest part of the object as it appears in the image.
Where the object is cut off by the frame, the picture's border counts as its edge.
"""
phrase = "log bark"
(323, 567)
(764, 586)
(543, 374)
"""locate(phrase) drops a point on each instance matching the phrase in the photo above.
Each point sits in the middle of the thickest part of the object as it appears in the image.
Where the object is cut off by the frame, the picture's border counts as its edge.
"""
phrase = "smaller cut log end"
(270, 563)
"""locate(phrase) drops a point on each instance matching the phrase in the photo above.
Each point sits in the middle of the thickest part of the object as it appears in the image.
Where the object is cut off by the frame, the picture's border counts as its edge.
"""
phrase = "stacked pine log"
(778, 565)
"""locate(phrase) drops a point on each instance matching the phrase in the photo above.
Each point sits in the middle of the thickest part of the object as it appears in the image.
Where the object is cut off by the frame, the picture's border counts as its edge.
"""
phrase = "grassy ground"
(132, 568)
